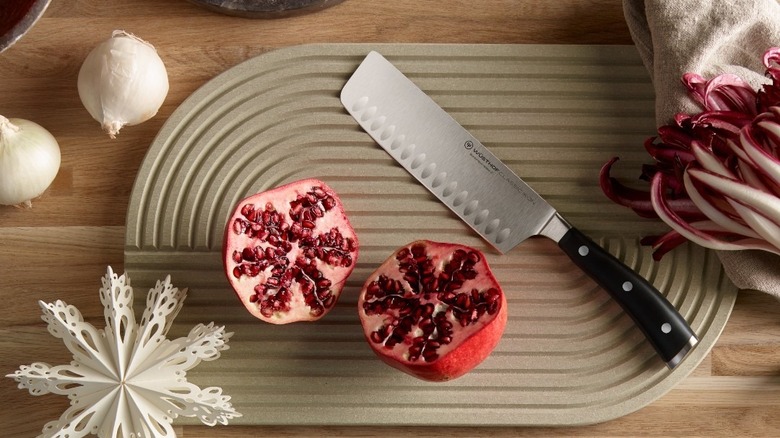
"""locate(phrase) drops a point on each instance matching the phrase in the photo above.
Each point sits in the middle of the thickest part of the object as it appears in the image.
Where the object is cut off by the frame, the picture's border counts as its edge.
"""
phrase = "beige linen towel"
(708, 37)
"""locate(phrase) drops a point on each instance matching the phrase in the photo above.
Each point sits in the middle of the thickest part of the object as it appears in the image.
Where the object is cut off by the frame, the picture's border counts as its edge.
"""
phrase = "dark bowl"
(17, 17)
(265, 8)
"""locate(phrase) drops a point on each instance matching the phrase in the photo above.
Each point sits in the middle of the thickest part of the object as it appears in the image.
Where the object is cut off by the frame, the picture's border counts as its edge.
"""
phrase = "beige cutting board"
(554, 114)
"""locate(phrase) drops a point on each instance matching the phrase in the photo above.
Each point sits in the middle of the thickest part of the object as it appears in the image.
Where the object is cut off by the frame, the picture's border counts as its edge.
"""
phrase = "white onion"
(122, 82)
(29, 161)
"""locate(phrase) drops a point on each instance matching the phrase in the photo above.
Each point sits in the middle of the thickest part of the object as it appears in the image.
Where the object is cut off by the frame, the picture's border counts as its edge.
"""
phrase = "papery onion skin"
(732, 147)
(29, 161)
(123, 81)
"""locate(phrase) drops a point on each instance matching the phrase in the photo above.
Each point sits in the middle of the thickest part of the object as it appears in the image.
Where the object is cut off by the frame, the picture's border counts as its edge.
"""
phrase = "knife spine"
(395, 143)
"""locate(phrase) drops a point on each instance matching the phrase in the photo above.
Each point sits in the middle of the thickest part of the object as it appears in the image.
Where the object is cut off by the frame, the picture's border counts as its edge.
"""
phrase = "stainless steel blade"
(443, 156)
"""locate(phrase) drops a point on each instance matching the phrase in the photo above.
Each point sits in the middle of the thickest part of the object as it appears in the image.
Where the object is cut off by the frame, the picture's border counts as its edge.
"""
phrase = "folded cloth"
(708, 37)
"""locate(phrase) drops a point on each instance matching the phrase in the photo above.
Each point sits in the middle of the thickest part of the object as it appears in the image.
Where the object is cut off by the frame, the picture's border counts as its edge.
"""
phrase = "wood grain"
(60, 247)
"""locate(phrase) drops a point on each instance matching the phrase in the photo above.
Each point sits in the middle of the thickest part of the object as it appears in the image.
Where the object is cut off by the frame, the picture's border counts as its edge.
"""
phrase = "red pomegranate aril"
(289, 259)
(433, 310)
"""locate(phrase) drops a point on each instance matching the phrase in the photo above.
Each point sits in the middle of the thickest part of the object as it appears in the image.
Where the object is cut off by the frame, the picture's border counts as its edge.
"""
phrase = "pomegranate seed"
(430, 355)
(239, 226)
(297, 226)
(454, 285)
(295, 211)
(247, 210)
(447, 297)
(426, 325)
(406, 325)
(373, 288)
(328, 203)
(430, 284)
(411, 277)
(318, 192)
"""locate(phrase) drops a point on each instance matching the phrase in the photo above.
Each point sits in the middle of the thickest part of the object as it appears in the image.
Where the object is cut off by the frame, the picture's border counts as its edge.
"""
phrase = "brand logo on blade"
(481, 157)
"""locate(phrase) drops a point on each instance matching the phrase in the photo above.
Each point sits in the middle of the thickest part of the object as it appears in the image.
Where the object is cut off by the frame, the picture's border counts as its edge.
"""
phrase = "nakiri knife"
(491, 198)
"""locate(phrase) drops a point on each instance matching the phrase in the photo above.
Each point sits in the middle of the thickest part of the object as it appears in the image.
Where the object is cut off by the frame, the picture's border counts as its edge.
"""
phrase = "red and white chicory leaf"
(716, 176)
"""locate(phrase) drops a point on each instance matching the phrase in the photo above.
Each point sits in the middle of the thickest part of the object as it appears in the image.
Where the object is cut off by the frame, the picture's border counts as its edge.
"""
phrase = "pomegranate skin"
(395, 310)
(287, 252)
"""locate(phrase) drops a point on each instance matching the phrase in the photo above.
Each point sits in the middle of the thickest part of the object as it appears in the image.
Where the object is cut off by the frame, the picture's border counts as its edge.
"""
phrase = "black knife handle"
(664, 327)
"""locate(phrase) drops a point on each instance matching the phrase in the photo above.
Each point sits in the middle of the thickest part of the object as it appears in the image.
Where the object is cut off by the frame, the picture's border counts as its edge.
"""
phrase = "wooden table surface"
(59, 249)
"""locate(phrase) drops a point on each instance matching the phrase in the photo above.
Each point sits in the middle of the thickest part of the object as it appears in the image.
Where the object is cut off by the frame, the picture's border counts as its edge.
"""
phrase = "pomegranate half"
(433, 310)
(288, 251)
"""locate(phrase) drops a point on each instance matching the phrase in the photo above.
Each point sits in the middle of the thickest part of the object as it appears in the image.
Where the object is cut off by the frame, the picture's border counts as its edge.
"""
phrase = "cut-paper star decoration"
(128, 380)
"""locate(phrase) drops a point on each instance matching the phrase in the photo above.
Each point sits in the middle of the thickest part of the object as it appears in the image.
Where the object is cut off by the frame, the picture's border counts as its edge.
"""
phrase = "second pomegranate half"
(288, 251)
(433, 310)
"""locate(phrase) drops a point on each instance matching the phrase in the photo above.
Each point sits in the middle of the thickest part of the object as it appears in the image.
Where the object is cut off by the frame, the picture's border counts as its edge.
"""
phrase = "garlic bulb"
(122, 82)
(29, 161)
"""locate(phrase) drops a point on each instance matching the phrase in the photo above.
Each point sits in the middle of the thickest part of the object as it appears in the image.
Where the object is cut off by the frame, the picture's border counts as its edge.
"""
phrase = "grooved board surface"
(554, 114)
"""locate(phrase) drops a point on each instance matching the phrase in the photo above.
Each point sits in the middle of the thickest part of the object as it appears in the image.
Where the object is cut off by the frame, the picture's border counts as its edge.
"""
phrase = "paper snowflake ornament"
(128, 380)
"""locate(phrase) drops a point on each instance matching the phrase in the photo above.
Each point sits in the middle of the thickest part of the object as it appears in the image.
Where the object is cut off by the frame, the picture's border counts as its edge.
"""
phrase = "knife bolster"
(555, 228)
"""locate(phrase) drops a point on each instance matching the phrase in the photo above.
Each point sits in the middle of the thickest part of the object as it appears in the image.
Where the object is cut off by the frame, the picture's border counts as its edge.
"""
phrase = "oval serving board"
(554, 114)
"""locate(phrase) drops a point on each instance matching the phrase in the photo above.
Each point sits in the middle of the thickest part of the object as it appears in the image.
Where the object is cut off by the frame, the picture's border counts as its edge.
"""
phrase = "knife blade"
(459, 170)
